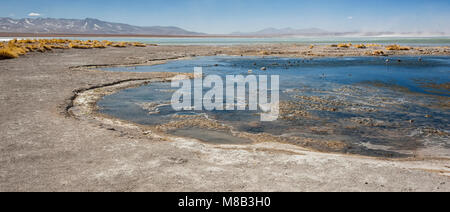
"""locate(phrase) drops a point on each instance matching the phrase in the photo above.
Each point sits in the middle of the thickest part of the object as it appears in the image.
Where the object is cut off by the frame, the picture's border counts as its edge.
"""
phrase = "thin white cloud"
(350, 18)
(34, 14)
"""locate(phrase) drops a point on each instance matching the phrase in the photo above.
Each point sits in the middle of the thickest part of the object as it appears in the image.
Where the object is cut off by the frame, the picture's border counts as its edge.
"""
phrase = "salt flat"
(45, 148)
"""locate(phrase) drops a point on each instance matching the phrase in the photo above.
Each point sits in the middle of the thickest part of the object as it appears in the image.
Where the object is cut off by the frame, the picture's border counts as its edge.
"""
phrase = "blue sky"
(225, 16)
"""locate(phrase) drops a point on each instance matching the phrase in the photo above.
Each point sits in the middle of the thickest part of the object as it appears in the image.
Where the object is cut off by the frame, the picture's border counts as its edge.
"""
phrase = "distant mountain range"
(95, 26)
(83, 26)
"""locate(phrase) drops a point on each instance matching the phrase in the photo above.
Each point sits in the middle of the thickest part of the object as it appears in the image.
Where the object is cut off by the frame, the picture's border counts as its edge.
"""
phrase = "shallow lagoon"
(360, 105)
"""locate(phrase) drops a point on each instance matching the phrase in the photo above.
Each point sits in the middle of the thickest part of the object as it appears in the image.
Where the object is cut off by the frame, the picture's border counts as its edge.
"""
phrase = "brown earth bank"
(45, 147)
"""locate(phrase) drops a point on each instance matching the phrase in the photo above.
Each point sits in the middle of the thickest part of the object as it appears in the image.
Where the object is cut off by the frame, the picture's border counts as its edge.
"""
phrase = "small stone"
(178, 160)
(263, 68)
(411, 121)
(428, 116)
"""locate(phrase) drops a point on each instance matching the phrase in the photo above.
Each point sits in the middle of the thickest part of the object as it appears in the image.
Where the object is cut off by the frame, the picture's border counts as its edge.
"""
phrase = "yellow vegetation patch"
(15, 47)
(26, 41)
(12, 42)
(7, 54)
(79, 46)
(59, 46)
(373, 45)
(344, 45)
(99, 46)
(32, 47)
(377, 53)
(264, 52)
(107, 43)
(120, 45)
(47, 47)
(398, 47)
(360, 46)
(137, 44)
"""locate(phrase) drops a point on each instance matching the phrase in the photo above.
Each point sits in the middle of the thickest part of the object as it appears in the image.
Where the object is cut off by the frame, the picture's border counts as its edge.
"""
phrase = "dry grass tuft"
(47, 47)
(360, 46)
(99, 46)
(398, 47)
(137, 44)
(59, 46)
(107, 43)
(15, 47)
(373, 45)
(6, 53)
(79, 46)
(264, 52)
(120, 45)
(344, 45)
(377, 53)
(32, 47)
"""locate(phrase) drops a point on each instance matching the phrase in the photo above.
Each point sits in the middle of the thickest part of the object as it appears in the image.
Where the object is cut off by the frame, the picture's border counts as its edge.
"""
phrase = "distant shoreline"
(215, 40)
(13, 34)
(16, 34)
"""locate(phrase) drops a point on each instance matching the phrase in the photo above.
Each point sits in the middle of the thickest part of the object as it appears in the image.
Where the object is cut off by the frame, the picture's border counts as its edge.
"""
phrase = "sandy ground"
(46, 144)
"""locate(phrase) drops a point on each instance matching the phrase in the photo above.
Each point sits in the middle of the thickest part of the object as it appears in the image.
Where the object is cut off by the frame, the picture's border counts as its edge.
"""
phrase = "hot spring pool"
(375, 106)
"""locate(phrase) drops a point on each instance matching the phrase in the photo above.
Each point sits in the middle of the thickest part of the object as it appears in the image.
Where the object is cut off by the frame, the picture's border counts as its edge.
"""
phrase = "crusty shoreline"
(44, 150)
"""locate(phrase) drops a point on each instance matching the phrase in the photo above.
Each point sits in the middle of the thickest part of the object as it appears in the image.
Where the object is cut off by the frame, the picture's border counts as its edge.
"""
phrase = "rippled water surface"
(376, 106)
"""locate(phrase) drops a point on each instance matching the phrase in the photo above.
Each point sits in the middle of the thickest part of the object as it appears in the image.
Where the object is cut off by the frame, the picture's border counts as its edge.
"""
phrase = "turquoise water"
(374, 108)
(412, 41)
